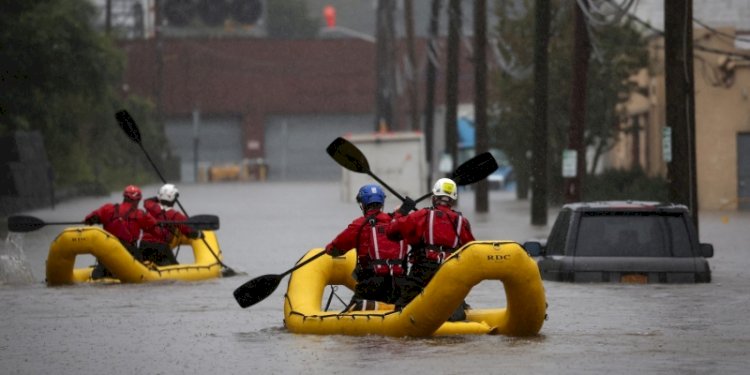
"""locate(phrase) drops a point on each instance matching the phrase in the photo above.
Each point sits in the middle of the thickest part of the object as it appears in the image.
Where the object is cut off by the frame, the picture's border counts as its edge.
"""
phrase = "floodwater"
(197, 328)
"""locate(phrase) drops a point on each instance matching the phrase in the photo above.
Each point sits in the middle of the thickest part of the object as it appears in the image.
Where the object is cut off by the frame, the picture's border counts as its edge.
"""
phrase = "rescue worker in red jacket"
(123, 220)
(433, 233)
(380, 261)
(156, 245)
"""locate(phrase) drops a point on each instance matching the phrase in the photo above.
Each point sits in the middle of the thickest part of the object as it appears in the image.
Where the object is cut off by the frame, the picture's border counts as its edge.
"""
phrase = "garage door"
(219, 142)
(295, 145)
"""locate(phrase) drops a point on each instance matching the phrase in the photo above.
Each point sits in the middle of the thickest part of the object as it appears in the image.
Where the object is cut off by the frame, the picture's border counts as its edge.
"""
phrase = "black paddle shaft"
(130, 128)
(128, 125)
(350, 157)
(22, 223)
(261, 287)
(346, 154)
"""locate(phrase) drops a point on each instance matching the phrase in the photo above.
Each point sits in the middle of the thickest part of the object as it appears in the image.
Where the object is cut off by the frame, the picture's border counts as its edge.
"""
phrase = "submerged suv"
(623, 241)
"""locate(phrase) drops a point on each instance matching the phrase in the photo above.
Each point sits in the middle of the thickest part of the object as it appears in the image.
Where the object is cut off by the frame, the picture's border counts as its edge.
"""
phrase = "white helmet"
(445, 187)
(168, 193)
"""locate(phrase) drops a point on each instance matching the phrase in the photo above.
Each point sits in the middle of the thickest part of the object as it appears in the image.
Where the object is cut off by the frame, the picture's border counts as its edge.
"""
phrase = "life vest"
(166, 233)
(383, 256)
(122, 225)
(442, 234)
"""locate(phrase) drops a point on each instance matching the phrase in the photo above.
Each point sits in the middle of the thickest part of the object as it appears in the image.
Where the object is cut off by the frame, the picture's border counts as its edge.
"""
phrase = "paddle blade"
(127, 124)
(256, 290)
(475, 169)
(348, 155)
(24, 223)
(203, 222)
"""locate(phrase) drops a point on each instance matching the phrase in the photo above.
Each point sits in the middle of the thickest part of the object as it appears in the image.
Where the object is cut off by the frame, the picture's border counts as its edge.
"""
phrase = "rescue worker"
(156, 245)
(380, 261)
(123, 220)
(433, 233)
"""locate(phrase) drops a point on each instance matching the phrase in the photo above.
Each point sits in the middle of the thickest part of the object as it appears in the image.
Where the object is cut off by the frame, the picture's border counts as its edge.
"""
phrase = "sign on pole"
(666, 144)
(569, 163)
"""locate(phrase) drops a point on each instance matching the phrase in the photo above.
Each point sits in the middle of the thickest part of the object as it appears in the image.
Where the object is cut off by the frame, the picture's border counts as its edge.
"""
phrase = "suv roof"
(625, 205)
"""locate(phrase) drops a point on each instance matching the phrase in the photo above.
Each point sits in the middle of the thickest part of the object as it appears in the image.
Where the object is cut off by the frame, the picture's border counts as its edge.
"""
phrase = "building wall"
(722, 110)
(257, 80)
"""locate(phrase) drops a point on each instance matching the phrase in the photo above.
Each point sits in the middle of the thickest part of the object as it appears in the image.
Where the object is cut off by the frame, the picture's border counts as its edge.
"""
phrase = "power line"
(698, 47)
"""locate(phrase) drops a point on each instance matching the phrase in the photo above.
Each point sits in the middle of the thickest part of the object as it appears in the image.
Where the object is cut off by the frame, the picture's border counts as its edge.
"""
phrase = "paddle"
(23, 223)
(471, 171)
(261, 287)
(128, 125)
(350, 157)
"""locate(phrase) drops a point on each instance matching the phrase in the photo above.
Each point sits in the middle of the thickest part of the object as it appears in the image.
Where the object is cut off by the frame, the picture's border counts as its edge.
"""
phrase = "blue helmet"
(371, 193)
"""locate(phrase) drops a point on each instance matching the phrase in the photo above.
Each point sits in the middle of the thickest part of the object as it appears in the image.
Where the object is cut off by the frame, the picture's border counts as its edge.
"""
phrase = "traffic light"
(212, 12)
(247, 11)
(179, 12)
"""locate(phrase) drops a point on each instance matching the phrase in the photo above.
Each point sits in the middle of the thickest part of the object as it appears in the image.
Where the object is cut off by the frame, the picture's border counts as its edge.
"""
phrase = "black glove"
(407, 206)
(335, 252)
(93, 220)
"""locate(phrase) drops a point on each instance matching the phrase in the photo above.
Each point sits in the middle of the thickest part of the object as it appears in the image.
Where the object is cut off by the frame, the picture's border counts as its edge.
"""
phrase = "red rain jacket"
(123, 220)
(369, 238)
(439, 226)
(165, 233)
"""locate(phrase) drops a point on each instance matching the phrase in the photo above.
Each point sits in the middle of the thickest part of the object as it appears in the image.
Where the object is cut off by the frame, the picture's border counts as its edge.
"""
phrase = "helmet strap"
(439, 200)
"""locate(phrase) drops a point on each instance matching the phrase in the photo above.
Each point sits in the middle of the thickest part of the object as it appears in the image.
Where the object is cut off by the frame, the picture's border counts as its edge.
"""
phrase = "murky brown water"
(194, 328)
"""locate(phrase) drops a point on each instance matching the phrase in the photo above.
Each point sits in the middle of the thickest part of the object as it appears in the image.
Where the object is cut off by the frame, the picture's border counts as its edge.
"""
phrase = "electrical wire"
(698, 46)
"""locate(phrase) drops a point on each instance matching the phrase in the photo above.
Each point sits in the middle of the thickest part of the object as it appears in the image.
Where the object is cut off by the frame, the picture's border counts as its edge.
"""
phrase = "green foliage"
(618, 53)
(624, 185)
(288, 19)
(62, 78)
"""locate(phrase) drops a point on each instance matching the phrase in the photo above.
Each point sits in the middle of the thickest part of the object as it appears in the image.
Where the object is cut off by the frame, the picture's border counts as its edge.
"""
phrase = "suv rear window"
(633, 234)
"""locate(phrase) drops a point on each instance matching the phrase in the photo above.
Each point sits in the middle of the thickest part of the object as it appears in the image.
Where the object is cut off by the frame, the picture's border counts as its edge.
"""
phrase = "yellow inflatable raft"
(109, 251)
(426, 315)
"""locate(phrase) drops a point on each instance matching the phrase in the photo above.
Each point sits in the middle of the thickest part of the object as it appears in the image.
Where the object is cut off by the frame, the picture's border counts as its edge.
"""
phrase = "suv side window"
(559, 234)
(681, 245)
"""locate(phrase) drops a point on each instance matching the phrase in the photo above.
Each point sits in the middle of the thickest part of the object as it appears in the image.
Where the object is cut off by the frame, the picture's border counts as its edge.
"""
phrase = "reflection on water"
(196, 328)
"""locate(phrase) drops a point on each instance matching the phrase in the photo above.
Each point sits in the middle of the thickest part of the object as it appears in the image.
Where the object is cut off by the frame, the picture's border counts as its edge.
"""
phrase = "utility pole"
(451, 84)
(385, 100)
(159, 40)
(412, 89)
(429, 108)
(480, 97)
(581, 53)
(108, 17)
(539, 131)
(680, 97)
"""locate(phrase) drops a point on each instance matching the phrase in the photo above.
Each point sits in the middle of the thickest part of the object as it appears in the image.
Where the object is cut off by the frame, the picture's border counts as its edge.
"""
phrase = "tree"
(618, 52)
(62, 78)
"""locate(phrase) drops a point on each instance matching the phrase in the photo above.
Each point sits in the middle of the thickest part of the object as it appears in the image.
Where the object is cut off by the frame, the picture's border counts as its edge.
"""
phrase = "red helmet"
(132, 192)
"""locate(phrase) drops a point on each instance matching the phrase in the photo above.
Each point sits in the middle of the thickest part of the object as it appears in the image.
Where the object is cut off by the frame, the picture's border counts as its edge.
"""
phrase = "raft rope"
(330, 297)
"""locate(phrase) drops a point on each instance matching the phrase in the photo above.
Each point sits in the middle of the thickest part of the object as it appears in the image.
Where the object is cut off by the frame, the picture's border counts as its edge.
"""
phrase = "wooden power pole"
(451, 84)
(581, 52)
(680, 97)
(431, 73)
(539, 131)
(481, 203)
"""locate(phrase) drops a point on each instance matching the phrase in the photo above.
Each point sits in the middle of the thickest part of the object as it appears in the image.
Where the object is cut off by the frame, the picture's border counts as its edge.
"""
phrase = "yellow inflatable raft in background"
(426, 315)
(126, 269)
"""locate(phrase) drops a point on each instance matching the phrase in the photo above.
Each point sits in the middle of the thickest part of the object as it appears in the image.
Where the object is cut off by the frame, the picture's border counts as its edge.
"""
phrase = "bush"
(625, 185)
